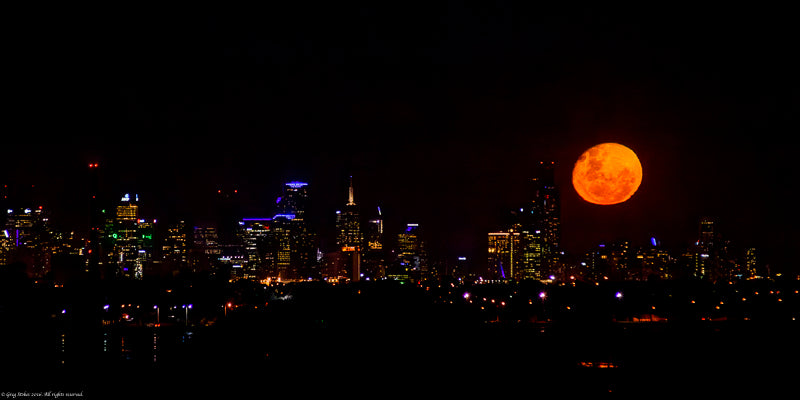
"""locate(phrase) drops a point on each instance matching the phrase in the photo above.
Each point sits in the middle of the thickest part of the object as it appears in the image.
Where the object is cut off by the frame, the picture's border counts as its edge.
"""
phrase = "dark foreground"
(377, 345)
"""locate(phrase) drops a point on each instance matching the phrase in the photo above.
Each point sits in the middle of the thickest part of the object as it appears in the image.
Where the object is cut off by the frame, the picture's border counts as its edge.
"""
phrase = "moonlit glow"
(608, 173)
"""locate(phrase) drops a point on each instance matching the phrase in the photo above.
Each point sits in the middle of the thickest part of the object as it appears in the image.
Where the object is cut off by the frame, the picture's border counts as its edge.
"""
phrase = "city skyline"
(201, 156)
(435, 121)
(536, 228)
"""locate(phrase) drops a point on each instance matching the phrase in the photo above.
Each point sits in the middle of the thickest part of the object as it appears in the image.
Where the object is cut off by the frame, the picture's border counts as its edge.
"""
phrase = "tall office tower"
(751, 263)
(94, 249)
(349, 236)
(293, 239)
(542, 213)
(205, 252)
(706, 236)
(175, 248)
(505, 257)
(707, 251)
(255, 236)
(410, 255)
(125, 241)
(373, 259)
(281, 237)
(532, 248)
(348, 226)
(294, 200)
(130, 240)
(26, 238)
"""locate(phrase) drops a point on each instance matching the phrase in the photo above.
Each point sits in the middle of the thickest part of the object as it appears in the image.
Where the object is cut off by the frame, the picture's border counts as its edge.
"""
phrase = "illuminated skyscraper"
(294, 199)
(291, 236)
(205, 252)
(751, 263)
(709, 252)
(348, 226)
(375, 232)
(538, 225)
(706, 236)
(410, 255)
(130, 238)
(532, 248)
(94, 248)
(350, 239)
(505, 260)
(175, 248)
(255, 235)
(373, 264)
(26, 238)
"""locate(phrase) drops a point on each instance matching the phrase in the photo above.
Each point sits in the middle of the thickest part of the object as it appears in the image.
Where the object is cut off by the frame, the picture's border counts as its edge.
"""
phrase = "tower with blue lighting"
(291, 236)
(410, 255)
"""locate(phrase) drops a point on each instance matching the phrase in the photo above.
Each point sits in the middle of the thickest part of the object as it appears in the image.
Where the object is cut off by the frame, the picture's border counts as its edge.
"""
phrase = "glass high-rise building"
(291, 236)
(539, 225)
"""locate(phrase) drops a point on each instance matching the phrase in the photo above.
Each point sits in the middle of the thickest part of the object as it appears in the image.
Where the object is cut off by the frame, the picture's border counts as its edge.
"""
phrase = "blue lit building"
(291, 238)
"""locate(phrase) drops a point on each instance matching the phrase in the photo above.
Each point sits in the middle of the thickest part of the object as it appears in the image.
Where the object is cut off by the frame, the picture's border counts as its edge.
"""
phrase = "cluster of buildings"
(527, 247)
(121, 243)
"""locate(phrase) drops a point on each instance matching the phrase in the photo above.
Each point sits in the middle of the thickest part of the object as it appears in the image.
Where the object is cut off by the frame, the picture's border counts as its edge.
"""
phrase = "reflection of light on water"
(155, 347)
(105, 342)
(124, 351)
(63, 348)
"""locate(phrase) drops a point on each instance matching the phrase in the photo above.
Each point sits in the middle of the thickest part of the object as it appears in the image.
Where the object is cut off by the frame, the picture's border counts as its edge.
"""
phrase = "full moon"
(608, 173)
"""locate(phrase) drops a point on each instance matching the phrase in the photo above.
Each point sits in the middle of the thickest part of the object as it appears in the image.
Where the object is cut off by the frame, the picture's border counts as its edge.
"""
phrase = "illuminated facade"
(533, 252)
(175, 247)
(291, 238)
(751, 263)
(27, 238)
(130, 239)
(537, 227)
(373, 260)
(255, 235)
(505, 255)
(411, 260)
(205, 251)
(349, 237)
(348, 227)
(529, 246)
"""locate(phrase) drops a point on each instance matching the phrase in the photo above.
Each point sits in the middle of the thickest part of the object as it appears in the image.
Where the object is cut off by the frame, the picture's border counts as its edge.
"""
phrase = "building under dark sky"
(439, 112)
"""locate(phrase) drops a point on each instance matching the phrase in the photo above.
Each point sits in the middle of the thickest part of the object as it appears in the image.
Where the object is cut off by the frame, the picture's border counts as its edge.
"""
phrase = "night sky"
(438, 112)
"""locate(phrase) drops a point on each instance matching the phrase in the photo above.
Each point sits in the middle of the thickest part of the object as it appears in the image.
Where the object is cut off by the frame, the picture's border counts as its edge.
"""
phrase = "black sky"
(437, 111)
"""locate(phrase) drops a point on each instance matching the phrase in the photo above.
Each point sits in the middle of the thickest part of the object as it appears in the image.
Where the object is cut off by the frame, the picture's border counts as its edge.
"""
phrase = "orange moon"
(608, 173)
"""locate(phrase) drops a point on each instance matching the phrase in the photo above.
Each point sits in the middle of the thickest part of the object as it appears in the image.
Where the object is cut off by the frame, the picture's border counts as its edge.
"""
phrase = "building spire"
(350, 201)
